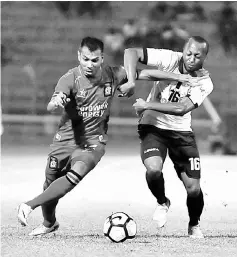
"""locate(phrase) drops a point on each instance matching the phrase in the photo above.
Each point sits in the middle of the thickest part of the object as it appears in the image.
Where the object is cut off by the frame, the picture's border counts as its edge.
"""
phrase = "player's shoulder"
(71, 73)
(206, 76)
(206, 82)
(164, 52)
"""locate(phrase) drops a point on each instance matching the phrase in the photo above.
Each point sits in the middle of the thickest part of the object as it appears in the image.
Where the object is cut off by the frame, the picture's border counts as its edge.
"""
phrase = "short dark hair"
(200, 40)
(92, 43)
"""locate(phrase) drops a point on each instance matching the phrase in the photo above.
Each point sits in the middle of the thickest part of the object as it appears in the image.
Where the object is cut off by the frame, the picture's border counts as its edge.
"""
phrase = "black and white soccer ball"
(119, 226)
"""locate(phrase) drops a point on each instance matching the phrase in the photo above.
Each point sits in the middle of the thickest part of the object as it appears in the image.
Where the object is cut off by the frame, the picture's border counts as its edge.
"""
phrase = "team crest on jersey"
(81, 94)
(108, 89)
(53, 162)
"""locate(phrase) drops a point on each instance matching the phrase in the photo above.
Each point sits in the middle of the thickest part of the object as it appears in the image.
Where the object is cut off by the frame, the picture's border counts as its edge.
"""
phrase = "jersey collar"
(89, 84)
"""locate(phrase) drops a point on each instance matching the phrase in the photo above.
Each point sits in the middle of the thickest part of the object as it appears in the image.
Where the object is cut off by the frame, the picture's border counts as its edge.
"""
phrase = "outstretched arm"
(154, 75)
(177, 109)
(134, 55)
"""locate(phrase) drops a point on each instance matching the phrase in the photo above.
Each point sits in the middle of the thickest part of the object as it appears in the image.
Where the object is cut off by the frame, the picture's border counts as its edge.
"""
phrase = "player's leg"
(83, 161)
(153, 154)
(57, 159)
(185, 156)
(195, 204)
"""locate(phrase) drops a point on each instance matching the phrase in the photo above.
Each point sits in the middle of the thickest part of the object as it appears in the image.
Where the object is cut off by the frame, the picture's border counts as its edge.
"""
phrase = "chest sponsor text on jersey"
(92, 111)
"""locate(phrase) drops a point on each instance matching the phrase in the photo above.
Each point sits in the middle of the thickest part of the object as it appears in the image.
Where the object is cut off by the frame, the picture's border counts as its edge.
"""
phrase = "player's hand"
(59, 99)
(126, 89)
(140, 105)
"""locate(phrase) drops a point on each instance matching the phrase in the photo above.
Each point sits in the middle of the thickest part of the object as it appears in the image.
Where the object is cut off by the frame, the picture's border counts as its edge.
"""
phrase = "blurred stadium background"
(39, 42)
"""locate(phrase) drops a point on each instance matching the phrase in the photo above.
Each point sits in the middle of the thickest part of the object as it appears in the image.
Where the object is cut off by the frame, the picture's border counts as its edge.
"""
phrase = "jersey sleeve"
(163, 59)
(199, 93)
(65, 83)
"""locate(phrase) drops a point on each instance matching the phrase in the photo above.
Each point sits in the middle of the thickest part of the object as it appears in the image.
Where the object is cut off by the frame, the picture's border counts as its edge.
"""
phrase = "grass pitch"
(118, 184)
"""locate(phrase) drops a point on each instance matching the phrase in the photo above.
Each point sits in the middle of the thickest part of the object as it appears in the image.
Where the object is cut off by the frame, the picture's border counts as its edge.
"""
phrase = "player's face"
(194, 54)
(90, 62)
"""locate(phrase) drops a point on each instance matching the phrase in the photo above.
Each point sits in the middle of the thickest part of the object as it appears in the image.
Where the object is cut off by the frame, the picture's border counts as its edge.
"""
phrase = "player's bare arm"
(154, 75)
(131, 58)
(134, 55)
(178, 109)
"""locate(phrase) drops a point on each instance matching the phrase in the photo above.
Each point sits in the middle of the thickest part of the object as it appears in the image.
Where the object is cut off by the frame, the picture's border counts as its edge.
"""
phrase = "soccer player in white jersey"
(165, 123)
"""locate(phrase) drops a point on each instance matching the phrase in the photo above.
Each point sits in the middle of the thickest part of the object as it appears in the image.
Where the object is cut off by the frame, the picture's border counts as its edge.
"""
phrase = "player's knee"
(153, 171)
(193, 190)
(81, 168)
(153, 166)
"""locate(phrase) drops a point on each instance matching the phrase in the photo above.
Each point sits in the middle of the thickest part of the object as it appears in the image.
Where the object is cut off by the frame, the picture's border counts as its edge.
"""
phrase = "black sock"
(49, 213)
(156, 184)
(195, 206)
(49, 209)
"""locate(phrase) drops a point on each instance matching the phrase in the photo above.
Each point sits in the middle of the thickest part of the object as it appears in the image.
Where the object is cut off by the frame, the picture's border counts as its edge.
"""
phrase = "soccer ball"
(119, 226)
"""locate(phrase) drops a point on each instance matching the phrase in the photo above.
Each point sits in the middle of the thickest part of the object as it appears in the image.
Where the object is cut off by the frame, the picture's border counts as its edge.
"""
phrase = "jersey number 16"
(174, 96)
(195, 163)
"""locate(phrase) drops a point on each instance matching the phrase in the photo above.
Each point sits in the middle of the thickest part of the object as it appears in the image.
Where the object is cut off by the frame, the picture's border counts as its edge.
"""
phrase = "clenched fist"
(59, 99)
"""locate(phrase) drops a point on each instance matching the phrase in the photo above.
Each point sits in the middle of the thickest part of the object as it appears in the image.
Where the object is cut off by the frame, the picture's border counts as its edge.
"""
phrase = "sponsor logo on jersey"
(53, 162)
(151, 150)
(93, 111)
(108, 89)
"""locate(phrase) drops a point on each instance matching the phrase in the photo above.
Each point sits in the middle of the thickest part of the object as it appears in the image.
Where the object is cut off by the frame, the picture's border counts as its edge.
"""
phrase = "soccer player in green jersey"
(85, 94)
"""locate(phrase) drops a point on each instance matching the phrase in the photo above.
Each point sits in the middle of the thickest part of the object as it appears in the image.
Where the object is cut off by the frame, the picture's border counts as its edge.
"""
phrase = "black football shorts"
(180, 145)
